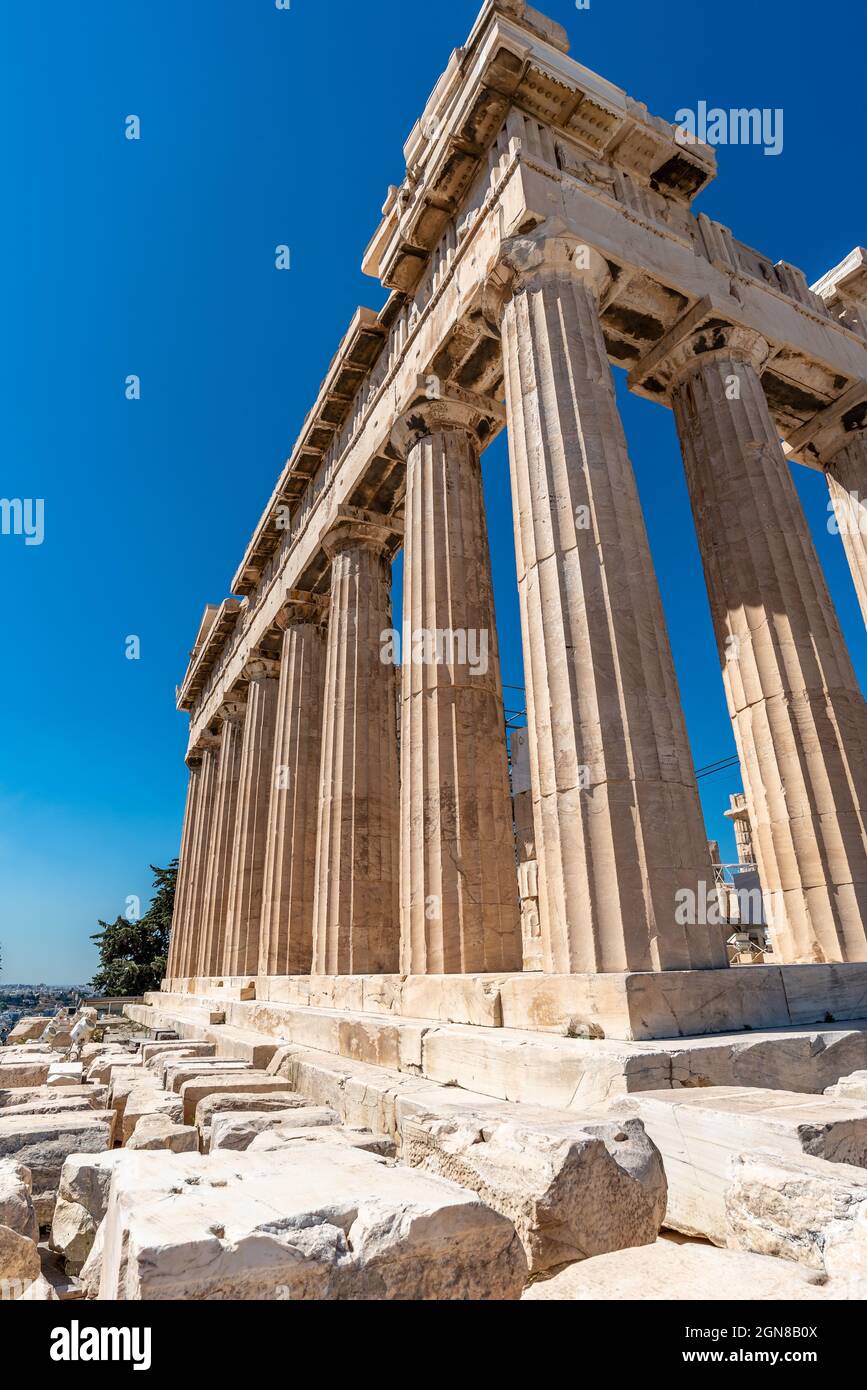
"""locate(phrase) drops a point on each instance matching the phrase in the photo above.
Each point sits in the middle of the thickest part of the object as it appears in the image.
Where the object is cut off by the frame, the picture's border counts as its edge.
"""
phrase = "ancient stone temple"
(351, 835)
(447, 1019)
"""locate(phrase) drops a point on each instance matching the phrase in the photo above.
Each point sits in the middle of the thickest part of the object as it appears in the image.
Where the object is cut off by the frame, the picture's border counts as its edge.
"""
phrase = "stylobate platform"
(628, 1006)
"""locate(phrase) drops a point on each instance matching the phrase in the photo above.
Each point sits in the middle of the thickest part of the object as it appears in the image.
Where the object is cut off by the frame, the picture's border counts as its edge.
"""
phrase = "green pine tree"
(132, 955)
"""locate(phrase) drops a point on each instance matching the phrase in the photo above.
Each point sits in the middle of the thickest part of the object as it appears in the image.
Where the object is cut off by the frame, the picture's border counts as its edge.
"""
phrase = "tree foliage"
(133, 955)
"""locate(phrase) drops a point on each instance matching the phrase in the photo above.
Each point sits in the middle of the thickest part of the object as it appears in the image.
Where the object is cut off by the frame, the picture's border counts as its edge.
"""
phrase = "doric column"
(200, 849)
(619, 830)
(797, 712)
(847, 485)
(286, 945)
(458, 889)
(213, 946)
(180, 914)
(355, 915)
(244, 911)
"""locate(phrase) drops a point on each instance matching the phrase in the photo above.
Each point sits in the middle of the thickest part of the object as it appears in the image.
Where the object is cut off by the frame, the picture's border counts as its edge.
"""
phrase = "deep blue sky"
(156, 257)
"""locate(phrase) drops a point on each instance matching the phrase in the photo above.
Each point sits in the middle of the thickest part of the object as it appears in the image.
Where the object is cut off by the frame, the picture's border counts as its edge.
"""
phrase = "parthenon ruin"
(454, 1009)
(351, 823)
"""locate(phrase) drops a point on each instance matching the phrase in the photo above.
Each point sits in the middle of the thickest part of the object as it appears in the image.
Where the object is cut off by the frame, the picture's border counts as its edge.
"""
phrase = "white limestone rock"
(154, 1054)
(65, 1074)
(23, 1070)
(237, 1130)
(27, 1029)
(668, 1272)
(159, 1132)
(45, 1100)
(146, 1099)
(43, 1143)
(700, 1132)
(102, 1070)
(19, 1258)
(226, 1084)
(239, 1103)
(573, 1189)
(346, 1226)
(125, 1080)
(82, 1197)
(851, 1087)
(273, 1140)
(16, 1200)
(798, 1208)
(173, 1072)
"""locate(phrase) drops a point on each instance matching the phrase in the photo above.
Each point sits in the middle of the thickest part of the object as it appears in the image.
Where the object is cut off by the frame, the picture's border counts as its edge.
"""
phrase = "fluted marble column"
(847, 486)
(244, 912)
(619, 829)
(200, 847)
(213, 946)
(797, 711)
(286, 945)
(180, 914)
(355, 916)
(458, 888)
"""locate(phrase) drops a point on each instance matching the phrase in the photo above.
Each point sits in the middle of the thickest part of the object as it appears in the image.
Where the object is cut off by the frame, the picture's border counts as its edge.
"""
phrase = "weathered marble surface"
(701, 1132)
(342, 1224)
(573, 1189)
(16, 1199)
(42, 1144)
(800, 1208)
(668, 1272)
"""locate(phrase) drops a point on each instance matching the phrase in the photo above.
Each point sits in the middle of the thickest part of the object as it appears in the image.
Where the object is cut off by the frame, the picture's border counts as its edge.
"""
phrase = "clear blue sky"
(156, 257)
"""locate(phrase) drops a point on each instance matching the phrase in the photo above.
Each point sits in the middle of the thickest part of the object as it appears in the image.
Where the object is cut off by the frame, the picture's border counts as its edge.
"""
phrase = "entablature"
(219, 622)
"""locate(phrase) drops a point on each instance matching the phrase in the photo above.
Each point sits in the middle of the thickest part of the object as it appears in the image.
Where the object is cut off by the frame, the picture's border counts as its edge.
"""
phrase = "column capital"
(261, 667)
(233, 711)
(701, 336)
(208, 741)
(435, 407)
(354, 526)
(302, 606)
(522, 262)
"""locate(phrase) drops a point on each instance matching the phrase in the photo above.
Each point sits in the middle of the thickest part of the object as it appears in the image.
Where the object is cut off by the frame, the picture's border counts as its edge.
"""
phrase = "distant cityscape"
(17, 1000)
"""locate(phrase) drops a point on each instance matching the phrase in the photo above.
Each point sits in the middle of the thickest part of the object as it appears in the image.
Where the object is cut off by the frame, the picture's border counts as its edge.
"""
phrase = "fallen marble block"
(43, 1143)
(668, 1272)
(154, 1054)
(91, 1052)
(16, 1199)
(347, 1226)
(273, 1140)
(237, 1130)
(798, 1208)
(175, 1073)
(27, 1029)
(103, 1069)
(58, 1105)
(82, 1197)
(700, 1132)
(852, 1087)
(45, 1100)
(159, 1132)
(240, 1102)
(24, 1071)
(123, 1080)
(19, 1259)
(65, 1074)
(573, 1189)
(224, 1084)
(148, 1099)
